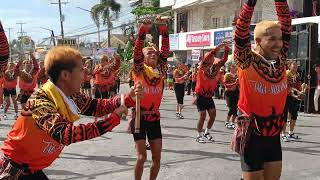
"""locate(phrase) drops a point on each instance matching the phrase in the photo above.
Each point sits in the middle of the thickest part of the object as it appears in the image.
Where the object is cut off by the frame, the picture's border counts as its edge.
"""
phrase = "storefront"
(190, 46)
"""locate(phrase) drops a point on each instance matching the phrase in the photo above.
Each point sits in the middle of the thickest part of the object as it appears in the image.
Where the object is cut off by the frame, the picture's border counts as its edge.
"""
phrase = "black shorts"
(85, 85)
(9, 92)
(259, 150)
(292, 106)
(149, 129)
(205, 103)
(24, 98)
(232, 98)
(179, 91)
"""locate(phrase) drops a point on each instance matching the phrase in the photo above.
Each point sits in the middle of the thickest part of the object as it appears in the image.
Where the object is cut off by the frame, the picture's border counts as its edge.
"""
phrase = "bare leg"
(141, 158)
(156, 148)
(272, 170)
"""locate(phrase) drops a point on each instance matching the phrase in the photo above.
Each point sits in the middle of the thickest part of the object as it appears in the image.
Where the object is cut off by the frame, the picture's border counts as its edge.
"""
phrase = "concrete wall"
(200, 16)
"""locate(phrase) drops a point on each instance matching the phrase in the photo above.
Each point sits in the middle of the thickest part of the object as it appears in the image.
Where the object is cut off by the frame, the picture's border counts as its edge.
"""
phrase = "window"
(226, 21)
(257, 16)
(182, 22)
(216, 22)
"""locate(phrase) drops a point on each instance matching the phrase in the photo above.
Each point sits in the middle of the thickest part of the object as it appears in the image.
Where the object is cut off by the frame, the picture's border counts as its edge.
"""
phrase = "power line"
(21, 35)
(61, 16)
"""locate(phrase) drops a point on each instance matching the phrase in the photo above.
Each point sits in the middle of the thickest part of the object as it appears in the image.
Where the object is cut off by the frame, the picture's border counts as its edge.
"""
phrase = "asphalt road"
(112, 156)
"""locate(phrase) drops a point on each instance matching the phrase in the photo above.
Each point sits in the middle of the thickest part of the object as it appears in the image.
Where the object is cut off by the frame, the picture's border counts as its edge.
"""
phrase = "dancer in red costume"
(150, 70)
(208, 77)
(263, 91)
(46, 124)
(27, 79)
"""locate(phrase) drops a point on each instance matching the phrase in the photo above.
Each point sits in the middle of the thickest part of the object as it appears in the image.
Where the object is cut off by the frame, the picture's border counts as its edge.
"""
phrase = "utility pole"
(21, 37)
(98, 25)
(61, 16)
(9, 31)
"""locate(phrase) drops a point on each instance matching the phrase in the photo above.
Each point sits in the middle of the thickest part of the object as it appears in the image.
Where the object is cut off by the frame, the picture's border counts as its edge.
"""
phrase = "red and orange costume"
(263, 87)
(27, 81)
(152, 82)
(263, 92)
(105, 77)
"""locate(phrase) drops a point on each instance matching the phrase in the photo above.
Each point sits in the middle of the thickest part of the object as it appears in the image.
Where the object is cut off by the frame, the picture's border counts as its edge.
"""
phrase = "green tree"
(107, 11)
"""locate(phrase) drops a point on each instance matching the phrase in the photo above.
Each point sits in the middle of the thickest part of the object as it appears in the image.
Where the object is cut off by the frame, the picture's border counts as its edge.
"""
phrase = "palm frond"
(96, 12)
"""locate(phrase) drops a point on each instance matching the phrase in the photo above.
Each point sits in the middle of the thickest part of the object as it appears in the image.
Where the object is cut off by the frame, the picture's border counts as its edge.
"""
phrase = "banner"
(174, 41)
(106, 51)
(220, 36)
(198, 40)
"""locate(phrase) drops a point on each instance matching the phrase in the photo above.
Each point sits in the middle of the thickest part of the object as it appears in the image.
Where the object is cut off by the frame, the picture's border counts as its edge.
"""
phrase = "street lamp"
(98, 26)
(52, 35)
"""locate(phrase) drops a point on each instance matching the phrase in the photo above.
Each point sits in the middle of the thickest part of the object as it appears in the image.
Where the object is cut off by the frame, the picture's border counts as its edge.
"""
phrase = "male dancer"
(27, 79)
(86, 84)
(149, 69)
(180, 75)
(46, 124)
(295, 90)
(263, 89)
(232, 95)
(104, 76)
(9, 87)
(208, 76)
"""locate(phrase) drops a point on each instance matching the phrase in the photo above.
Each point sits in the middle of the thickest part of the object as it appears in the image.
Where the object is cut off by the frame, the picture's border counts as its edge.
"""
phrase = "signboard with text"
(174, 41)
(220, 36)
(198, 39)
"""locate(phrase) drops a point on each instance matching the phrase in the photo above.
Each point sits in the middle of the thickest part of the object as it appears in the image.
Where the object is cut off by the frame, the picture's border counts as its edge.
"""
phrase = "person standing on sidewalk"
(317, 89)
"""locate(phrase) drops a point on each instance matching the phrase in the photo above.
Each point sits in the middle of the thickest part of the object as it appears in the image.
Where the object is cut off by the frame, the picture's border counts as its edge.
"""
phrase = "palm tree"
(107, 11)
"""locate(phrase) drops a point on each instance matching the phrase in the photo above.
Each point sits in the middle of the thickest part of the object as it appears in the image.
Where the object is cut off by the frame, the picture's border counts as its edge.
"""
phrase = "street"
(112, 156)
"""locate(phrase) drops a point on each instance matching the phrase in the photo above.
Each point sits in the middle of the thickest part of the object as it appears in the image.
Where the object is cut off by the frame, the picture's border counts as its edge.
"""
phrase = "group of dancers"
(258, 81)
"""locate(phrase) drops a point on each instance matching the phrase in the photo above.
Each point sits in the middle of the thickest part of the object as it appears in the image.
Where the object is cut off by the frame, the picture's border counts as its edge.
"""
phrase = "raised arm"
(165, 46)
(242, 34)
(138, 57)
(206, 61)
(4, 49)
(284, 19)
(116, 64)
(35, 66)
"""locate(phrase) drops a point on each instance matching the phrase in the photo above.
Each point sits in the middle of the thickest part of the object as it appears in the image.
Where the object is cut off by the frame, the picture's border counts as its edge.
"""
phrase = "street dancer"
(150, 70)
(9, 88)
(180, 75)
(296, 91)
(46, 124)
(263, 91)
(27, 79)
(104, 76)
(232, 95)
(208, 77)
(86, 84)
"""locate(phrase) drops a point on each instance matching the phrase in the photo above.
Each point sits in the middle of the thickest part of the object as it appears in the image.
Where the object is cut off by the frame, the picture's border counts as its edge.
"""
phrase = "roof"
(116, 39)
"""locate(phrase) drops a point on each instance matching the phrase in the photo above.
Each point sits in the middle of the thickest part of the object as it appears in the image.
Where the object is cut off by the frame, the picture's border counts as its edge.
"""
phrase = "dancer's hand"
(146, 24)
(136, 91)
(122, 110)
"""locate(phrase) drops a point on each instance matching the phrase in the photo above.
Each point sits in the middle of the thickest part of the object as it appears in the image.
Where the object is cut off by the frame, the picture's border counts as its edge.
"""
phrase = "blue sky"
(40, 13)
